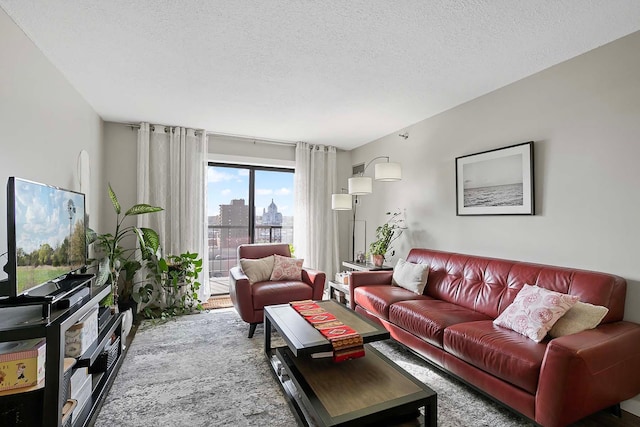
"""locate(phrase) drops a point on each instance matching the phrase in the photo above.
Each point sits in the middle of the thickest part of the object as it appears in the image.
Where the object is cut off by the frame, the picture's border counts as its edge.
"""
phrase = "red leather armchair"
(249, 300)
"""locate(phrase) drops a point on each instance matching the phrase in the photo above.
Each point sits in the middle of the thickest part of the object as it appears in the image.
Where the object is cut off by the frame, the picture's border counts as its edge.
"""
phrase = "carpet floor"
(202, 370)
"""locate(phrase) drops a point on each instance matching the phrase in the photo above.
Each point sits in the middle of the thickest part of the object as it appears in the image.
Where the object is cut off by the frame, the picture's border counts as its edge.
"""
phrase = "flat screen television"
(46, 236)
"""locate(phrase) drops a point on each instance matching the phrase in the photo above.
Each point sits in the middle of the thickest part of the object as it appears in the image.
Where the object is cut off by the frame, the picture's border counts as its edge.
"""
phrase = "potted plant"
(385, 235)
(114, 259)
(177, 287)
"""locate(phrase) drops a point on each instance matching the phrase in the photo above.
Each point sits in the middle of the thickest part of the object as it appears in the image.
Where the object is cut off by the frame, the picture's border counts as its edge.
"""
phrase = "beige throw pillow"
(412, 277)
(581, 317)
(257, 270)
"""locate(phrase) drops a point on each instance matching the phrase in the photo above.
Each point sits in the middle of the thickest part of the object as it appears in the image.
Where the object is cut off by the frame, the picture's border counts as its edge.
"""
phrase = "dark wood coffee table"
(371, 390)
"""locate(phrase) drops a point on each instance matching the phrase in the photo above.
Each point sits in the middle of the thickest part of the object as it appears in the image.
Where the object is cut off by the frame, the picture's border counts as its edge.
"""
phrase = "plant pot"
(377, 260)
(124, 305)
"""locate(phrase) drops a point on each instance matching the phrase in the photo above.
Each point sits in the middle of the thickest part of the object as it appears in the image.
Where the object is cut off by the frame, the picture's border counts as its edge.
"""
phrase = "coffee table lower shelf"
(372, 390)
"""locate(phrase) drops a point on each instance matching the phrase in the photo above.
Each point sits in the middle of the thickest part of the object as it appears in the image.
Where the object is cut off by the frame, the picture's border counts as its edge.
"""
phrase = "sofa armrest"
(592, 369)
(361, 278)
(240, 293)
(236, 273)
(316, 279)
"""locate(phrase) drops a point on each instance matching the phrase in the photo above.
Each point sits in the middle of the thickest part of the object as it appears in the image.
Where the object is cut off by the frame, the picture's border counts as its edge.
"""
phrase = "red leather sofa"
(554, 382)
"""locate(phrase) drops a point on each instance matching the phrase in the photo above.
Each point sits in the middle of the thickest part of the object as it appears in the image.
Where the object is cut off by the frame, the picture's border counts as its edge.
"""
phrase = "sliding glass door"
(246, 204)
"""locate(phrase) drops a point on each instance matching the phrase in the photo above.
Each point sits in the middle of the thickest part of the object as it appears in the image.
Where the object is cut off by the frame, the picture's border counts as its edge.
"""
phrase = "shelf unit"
(26, 322)
(335, 291)
(365, 266)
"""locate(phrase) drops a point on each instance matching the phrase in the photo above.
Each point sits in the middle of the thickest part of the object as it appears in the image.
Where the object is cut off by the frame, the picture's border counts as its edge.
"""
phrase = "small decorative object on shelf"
(82, 334)
(107, 357)
(343, 277)
(22, 363)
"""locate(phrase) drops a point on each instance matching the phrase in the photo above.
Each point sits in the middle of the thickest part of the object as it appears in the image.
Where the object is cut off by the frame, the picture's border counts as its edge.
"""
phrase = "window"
(245, 204)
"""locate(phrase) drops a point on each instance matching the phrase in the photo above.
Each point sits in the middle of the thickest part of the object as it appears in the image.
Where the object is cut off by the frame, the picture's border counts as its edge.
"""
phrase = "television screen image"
(46, 228)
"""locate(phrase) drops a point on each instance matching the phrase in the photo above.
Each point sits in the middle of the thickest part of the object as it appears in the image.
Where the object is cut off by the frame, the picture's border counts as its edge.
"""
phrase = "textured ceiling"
(339, 72)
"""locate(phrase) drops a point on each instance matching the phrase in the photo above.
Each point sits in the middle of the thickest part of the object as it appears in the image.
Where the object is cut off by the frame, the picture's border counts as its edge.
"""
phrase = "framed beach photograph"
(496, 182)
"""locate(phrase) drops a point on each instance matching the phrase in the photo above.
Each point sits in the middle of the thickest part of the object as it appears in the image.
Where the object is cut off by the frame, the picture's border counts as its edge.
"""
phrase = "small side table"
(365, 266)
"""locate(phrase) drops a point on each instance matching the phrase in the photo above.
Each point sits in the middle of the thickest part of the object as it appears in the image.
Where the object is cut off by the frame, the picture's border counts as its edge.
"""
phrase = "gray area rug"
(202, 370)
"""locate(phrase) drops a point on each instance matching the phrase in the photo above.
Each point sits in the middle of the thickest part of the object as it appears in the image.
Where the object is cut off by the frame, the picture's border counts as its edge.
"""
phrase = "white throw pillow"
(412, 277)
(257, 270)
(581, 317)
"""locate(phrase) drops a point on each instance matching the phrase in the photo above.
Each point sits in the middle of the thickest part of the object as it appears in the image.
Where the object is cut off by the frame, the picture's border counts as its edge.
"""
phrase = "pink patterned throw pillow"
(534, 311)
(285, 268)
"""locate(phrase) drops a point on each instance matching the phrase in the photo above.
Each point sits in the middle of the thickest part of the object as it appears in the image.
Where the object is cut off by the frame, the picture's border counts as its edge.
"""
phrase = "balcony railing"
(225, 239)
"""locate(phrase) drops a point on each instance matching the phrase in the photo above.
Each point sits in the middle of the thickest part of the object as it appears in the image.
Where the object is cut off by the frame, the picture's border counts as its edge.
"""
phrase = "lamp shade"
(360, 185)
(341, 202)
(388, 172)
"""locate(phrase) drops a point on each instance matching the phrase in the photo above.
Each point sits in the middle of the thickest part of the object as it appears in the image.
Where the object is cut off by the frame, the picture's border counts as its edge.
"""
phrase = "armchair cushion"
(257, 270)
(285, 268)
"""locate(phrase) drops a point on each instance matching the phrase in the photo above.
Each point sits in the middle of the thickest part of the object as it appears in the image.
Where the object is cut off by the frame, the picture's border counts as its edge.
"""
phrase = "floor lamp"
(360, 185)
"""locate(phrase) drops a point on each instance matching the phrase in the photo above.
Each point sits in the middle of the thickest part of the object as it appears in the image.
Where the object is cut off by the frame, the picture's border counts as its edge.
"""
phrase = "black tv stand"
(21, 300)
(50, 293)
(42, 407)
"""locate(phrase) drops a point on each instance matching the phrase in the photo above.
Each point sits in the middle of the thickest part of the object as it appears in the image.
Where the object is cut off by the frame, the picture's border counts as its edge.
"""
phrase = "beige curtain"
(171, 174)
(315, 233)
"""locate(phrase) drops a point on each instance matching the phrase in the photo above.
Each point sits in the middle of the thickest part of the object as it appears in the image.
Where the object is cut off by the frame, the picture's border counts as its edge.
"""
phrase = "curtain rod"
(230, 135)
(253, 139)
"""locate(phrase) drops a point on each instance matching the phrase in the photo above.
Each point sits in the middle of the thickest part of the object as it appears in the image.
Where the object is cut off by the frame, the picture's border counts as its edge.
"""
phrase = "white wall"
(45, 123)
(584, 116)
(239, 150)
(121, 169)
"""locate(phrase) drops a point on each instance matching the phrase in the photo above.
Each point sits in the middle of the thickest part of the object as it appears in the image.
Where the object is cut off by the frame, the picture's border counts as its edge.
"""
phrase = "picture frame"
(496, 182)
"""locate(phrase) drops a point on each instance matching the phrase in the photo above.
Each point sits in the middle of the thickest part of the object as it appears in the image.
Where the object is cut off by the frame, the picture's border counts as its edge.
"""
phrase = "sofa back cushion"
(490, 285)
(261, 250)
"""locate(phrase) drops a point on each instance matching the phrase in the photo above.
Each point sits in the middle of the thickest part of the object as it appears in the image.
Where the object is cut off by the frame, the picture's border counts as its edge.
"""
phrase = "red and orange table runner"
(347, 343)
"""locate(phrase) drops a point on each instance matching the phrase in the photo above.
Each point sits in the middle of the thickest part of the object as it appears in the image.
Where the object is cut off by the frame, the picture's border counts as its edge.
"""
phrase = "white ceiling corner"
(333, 72)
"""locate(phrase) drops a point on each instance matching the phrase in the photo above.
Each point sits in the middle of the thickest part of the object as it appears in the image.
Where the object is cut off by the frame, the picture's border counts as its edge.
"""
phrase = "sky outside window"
(227, 183)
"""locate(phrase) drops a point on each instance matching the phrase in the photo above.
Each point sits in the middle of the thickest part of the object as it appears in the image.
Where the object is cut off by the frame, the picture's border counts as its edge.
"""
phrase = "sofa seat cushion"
(377, 299)
(501, 352)
(279, 292)
(428, 318)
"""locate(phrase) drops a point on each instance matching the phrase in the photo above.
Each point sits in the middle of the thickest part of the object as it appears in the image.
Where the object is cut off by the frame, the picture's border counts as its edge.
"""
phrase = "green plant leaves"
(142, 208)
(114, 258)
(130, 267)
(387, 233)
(114, 200)
(91, 236)
(104, 270)
(149, 241)
(162, 265)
